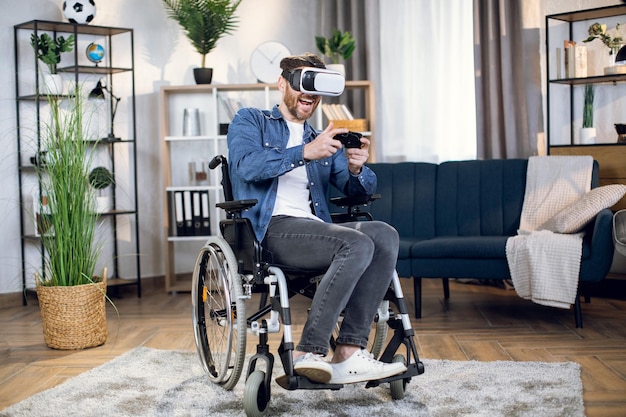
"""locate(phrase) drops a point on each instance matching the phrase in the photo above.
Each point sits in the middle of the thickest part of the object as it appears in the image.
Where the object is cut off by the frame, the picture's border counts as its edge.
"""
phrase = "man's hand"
(358, 156)
(324, 145)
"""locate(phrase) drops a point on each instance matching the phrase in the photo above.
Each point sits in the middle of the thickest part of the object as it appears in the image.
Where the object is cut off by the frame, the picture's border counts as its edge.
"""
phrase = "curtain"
(360, 18)
(427, 76)
(508, 78)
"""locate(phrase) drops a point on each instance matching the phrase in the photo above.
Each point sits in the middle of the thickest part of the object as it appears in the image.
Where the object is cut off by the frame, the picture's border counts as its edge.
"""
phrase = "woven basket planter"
(74, 317)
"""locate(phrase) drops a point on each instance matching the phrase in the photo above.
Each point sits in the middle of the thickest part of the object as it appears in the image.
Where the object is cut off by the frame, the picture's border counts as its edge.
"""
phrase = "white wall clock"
(265, 61)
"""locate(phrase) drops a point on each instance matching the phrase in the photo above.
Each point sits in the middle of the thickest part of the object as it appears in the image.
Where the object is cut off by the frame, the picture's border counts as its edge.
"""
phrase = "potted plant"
(49, 51)
(339, 45)
(100, 178)
(204, 23)
(614, 43)
(588, 132)
(71, 299)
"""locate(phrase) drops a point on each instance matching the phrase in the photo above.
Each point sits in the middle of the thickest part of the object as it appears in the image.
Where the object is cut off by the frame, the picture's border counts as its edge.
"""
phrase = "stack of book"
(341, 116)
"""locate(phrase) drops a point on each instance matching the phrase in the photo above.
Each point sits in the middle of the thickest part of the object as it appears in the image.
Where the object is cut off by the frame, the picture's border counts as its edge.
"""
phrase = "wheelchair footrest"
(414, 369)
(299, 382)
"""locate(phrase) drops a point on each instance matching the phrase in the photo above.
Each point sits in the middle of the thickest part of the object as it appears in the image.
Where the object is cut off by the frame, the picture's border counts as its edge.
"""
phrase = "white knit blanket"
(545, 265)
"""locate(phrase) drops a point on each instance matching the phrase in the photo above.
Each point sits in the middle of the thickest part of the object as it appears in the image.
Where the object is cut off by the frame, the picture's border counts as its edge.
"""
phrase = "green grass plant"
(588, 106)
(70, 249)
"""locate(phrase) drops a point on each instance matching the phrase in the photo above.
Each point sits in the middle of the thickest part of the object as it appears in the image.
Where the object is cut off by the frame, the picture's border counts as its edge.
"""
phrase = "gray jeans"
(359, 259)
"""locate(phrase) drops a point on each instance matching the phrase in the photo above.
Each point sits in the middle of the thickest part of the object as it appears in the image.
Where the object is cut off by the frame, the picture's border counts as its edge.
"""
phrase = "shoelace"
(368, 355)
(309, 356)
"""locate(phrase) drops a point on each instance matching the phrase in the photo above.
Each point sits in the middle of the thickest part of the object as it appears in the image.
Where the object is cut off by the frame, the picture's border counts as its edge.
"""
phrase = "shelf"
(599, 13)
(171, 188)
(192, 138)
(44, 97)
(107, 141)
(71, 28)
(120, 239)
(597, 79)
(119, 282)
(187, 238)
(588, 145)
(117, 212)
(89, 69)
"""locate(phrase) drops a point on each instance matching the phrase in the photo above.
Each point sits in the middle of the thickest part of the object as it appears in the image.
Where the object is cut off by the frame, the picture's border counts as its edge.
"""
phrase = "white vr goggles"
(317, 81)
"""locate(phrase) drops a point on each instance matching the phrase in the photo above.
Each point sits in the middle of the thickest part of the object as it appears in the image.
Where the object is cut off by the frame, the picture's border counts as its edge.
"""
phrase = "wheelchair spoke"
(219, 332)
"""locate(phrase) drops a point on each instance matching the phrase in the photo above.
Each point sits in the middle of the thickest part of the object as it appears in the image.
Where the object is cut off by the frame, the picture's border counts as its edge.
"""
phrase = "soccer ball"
(79, 12)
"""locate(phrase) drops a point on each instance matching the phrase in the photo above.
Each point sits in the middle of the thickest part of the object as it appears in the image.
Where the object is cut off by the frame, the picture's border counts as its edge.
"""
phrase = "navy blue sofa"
(454, 219)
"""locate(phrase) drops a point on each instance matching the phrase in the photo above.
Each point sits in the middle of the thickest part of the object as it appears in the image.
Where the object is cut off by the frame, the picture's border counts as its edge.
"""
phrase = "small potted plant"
(614, 43)
(588, 132)
(49, 50)
(100, 178)
(204, 23)
(339, 45)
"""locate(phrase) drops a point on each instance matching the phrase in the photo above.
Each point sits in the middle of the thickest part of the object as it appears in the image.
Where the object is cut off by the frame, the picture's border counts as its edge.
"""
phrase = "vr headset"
(317, 81)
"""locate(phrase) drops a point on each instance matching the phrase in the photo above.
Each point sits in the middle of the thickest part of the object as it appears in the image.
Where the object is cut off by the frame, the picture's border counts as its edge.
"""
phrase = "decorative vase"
(340, 68)
(616, 61)
(203, 75)
(73, 317)
(52, 84)
(103, 203)
(587, 136)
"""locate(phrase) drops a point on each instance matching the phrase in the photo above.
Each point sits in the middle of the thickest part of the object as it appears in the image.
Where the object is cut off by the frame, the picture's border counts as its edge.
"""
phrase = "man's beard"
(291, 102)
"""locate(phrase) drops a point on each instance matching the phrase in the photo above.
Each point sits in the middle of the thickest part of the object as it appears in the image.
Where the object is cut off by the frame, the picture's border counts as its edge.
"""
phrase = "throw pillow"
(575, 216)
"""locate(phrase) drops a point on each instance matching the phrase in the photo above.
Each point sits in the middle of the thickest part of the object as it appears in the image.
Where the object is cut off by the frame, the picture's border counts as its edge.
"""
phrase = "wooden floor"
(478, 323)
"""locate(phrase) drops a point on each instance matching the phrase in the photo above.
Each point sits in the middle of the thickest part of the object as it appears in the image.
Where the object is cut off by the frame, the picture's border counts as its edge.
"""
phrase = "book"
(187, 214)
(206, 220)
(196, 217)
(179, 214)
(568, 58)
(580, 61)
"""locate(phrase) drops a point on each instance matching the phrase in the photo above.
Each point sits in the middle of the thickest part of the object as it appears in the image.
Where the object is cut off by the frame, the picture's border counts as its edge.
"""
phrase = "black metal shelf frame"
(76, 69)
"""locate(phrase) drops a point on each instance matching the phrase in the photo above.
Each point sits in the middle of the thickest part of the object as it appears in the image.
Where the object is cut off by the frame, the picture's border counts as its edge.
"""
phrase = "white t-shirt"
(293, 197)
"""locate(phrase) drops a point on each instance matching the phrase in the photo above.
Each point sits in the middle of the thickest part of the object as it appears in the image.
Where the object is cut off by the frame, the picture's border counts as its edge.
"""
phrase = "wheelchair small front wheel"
(256, 397)
(398, 387)
(219, 317)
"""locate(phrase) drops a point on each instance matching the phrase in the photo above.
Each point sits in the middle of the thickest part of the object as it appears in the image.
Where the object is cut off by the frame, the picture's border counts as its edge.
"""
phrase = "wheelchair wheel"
(219, 317)
(398, 387)
(255, 396)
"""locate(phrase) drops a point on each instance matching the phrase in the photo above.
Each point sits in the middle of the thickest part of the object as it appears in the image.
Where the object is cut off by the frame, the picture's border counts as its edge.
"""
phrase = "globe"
(95, 52)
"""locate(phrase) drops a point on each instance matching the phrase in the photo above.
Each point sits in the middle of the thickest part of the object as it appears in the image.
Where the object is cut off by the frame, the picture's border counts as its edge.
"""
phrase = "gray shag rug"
(152, 382)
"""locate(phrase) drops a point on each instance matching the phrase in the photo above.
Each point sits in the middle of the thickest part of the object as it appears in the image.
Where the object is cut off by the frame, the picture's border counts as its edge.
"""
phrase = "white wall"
(162, 56)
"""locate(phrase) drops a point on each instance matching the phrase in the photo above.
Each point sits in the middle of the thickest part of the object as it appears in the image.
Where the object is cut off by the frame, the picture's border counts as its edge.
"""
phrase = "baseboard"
(148, 285)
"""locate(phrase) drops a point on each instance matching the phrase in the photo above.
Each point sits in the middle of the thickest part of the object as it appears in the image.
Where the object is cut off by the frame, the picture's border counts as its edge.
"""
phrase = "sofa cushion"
(407, 200)
(480, 198)
(575, 216)
(469, 247)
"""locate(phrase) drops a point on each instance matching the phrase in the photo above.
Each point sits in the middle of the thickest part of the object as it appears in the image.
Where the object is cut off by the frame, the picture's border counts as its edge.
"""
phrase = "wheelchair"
(232, 267)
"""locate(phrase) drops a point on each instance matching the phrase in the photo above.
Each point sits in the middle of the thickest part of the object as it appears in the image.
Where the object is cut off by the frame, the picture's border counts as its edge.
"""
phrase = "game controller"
(350, 139)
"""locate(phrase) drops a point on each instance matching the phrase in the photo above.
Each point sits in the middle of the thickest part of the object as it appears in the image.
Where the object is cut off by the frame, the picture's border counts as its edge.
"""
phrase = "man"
(277, 158)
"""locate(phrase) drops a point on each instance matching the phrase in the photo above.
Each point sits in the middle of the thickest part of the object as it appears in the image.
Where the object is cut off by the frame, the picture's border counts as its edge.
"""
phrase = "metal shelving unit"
(120, 153)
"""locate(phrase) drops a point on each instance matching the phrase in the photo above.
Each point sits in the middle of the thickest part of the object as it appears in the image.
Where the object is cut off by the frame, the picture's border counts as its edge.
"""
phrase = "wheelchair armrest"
(353, 205)
(359, 200)
(237, 205)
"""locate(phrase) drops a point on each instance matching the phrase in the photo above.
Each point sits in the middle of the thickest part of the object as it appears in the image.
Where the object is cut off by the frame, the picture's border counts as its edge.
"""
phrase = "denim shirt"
(257, 141)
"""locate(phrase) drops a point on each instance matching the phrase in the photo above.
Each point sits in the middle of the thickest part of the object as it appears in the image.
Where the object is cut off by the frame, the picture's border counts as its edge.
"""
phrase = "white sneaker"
(362, 366)
(311, 366)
